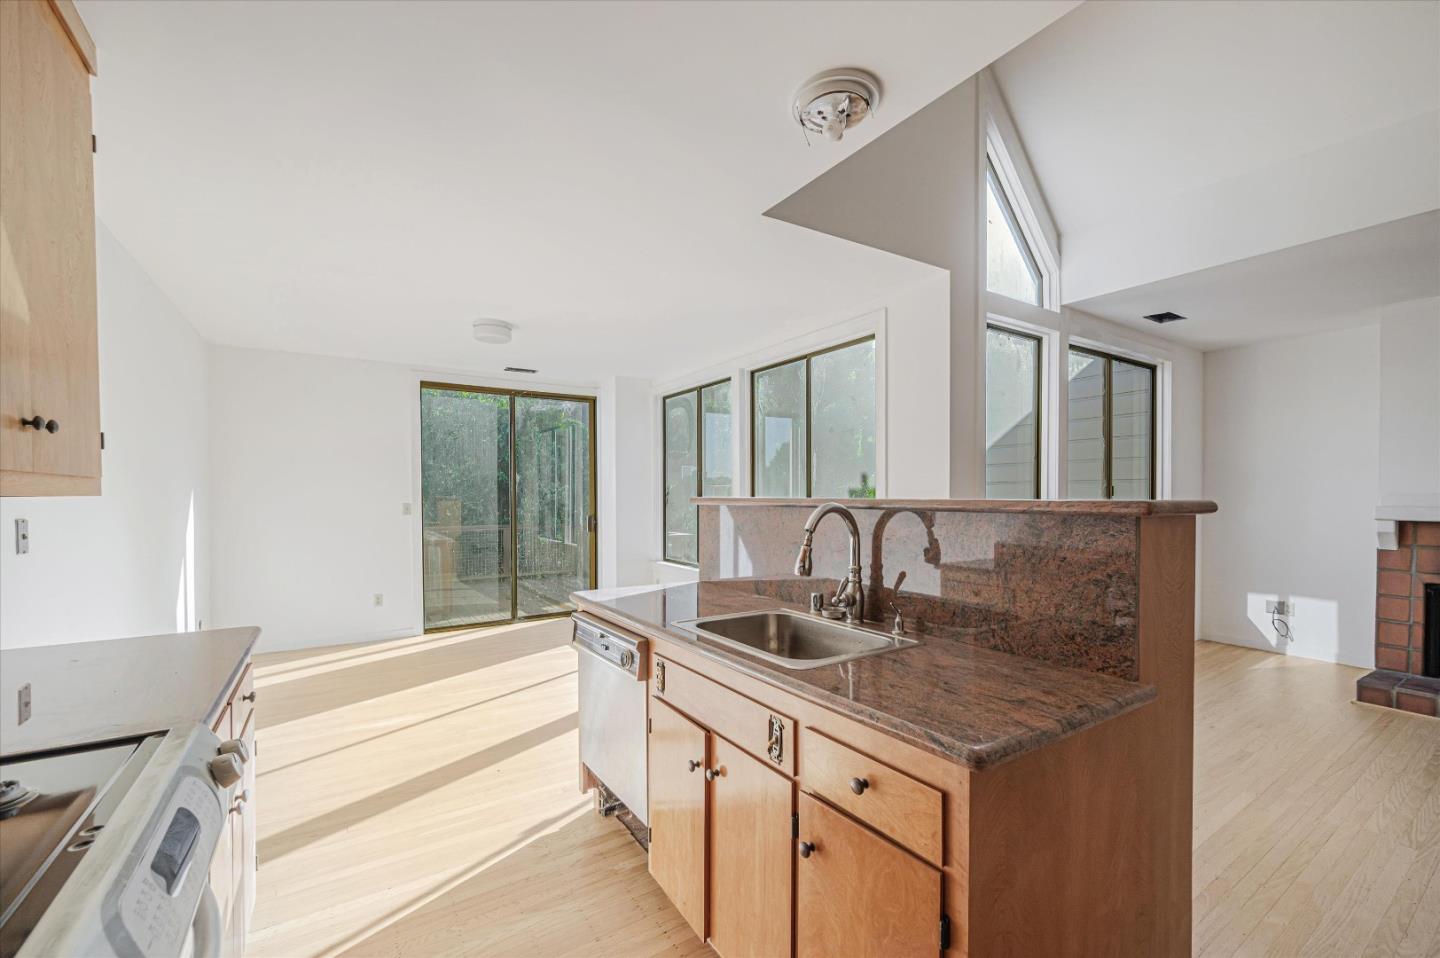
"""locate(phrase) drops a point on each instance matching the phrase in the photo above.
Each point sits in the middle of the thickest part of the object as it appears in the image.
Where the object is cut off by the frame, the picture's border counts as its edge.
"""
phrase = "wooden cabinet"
(738, 872)
(678, 756)
(751, 850)
(49, 355)
(859, 895)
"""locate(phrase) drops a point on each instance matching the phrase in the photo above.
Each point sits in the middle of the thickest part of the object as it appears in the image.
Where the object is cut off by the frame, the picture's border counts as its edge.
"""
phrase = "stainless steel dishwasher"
(612, 711)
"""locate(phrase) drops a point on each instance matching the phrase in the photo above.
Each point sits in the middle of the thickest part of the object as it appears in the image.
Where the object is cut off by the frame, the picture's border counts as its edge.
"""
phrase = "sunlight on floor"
(392, 773)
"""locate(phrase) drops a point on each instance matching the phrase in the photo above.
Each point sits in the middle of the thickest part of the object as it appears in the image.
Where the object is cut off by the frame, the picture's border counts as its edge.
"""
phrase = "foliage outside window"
(1011, 268)
(813, 432)
(1012, 414)
(1111, 419)
(697, 441)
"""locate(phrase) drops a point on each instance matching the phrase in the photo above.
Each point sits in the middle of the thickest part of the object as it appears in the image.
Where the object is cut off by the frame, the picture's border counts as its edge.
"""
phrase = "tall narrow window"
(1011, 268)
(813, 432)
(1012, 414)
(1111, 422)
(697, 463)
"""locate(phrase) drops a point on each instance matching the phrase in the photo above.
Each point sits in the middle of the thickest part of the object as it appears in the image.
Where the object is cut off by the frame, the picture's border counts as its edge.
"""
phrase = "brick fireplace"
(1407, 623)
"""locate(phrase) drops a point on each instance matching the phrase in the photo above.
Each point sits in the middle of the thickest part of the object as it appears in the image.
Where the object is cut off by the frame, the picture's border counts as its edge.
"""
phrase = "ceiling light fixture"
(495, 331)
(832, 102)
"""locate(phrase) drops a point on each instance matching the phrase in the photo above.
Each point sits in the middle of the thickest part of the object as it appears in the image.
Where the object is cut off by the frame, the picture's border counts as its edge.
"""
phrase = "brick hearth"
(1399, 679)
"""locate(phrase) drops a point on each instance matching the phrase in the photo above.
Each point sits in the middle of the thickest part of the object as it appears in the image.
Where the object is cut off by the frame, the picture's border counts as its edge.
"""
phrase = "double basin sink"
(795, 640)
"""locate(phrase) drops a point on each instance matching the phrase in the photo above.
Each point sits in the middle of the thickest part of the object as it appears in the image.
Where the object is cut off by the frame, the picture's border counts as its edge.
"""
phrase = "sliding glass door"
(507, 500)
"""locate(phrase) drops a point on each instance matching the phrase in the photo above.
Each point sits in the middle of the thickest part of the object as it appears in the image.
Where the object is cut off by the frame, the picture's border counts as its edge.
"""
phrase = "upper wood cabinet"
(49, 355)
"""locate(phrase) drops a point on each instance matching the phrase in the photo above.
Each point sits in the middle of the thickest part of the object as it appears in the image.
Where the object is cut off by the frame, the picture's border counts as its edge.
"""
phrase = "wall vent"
(519, 369)
(1165, 317)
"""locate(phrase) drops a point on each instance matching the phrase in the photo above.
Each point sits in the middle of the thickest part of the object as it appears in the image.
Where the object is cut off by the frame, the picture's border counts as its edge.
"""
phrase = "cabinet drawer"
(906, 810)
(766, 734)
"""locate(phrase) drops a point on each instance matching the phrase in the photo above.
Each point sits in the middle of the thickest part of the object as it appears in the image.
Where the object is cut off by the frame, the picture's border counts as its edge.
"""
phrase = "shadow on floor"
(347, 816)
(398, 670)
(529, 902)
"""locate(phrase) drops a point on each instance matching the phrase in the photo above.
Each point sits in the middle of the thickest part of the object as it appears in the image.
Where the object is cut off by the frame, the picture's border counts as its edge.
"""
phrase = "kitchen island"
(1016, 782)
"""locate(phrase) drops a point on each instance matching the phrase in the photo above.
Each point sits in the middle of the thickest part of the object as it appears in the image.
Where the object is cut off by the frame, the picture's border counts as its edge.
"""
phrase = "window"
(1011, 268)
(697, 430)
(1111, 427)
(813, 432)
(1012, 414)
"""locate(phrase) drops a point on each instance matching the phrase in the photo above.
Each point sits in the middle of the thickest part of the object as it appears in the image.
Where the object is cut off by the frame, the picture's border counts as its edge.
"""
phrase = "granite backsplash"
(1062, 587)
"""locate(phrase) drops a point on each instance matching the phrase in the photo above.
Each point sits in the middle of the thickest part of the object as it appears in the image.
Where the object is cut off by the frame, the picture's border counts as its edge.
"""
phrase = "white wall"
(1291, 457)
(1410, 410)
(628, 463)
(312, 464)
(134, 560)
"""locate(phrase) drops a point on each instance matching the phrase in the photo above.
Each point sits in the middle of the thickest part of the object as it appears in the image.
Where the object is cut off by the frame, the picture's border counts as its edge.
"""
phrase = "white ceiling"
(363, 179)
(1120, 103)
(1329, 284)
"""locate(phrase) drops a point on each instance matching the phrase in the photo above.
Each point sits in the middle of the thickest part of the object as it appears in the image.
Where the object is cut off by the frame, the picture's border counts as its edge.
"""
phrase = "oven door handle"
(209, 928)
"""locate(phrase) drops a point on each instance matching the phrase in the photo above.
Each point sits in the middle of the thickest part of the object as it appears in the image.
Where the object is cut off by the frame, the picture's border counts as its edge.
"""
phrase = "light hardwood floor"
(418, 798)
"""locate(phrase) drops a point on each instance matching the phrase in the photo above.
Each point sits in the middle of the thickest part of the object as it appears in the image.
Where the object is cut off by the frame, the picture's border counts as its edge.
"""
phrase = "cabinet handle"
(858, 785)
(240, 801)
(805, 849)
(38, 423)
(694, 764)
(248, 698)
(713, 773)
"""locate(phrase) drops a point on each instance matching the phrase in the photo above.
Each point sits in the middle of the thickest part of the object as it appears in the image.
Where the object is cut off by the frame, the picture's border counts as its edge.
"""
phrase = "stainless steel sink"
(793, 639)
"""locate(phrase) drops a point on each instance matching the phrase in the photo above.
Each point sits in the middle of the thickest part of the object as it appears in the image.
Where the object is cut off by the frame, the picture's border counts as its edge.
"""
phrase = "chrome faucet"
(851, 594)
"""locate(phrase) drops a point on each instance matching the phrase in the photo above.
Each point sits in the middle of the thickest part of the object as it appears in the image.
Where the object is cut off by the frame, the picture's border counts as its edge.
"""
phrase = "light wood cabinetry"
(232, 871)
(678, 757)
(859, 895)
(49, 354)
(750, 855)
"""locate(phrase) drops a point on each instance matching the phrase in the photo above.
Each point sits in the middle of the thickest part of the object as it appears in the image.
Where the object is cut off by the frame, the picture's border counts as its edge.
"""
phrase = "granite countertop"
(1101, 507)
(960, 701)
(83, 692)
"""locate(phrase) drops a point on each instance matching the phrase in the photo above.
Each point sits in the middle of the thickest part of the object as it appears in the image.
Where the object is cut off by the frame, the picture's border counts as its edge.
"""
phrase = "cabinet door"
(750, 855)
(49, 359)
(677, 811)
(222, 867)
(858, 895)
(245, 839)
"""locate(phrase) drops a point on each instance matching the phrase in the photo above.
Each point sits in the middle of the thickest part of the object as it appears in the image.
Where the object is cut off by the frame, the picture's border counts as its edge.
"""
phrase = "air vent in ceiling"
(1165, 317)
(518, 369)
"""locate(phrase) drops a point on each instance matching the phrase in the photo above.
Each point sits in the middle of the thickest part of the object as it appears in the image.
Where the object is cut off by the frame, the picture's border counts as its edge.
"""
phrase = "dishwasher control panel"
(620, 651)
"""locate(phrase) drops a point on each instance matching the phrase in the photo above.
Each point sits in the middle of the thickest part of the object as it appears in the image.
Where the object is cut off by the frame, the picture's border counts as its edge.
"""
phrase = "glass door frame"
(591, 524)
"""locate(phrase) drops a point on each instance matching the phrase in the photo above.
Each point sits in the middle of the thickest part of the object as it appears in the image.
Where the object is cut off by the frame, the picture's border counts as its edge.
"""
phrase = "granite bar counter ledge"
(1019, 769)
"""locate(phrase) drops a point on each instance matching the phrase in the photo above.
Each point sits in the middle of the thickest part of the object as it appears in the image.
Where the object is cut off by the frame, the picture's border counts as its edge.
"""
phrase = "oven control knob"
(226, 770)
(236, 748)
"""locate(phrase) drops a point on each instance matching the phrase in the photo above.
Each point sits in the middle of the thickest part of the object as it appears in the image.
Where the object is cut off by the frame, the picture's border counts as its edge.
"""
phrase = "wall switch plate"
(1277, 607)
(22, 536)
(24, 704)
(379, 599)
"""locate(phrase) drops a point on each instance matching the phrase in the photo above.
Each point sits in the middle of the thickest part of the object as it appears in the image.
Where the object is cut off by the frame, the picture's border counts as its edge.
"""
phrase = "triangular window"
(1011, 269)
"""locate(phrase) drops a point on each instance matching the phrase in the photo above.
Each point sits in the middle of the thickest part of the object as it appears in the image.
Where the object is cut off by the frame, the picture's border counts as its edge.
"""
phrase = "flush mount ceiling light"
(495, 331)
(832, 102)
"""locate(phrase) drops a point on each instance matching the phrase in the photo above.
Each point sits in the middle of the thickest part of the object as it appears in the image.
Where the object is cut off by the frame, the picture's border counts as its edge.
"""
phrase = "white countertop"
(85, 692)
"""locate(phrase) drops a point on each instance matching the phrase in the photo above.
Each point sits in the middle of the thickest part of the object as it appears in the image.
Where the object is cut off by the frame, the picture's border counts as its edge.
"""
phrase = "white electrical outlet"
(1277, 607)
(379, 599)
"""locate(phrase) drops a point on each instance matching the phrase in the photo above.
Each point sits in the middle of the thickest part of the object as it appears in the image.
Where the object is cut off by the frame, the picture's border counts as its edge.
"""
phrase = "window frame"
(699, 459)
(1107, 428)
(1040, 423)
(807, 357)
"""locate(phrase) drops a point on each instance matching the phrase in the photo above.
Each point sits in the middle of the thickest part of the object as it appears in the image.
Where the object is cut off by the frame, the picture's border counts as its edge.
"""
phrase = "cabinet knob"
(249, 697)
(713, 773)
(694, 764)
(858, 785)
(38, 423)
(805, 849)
